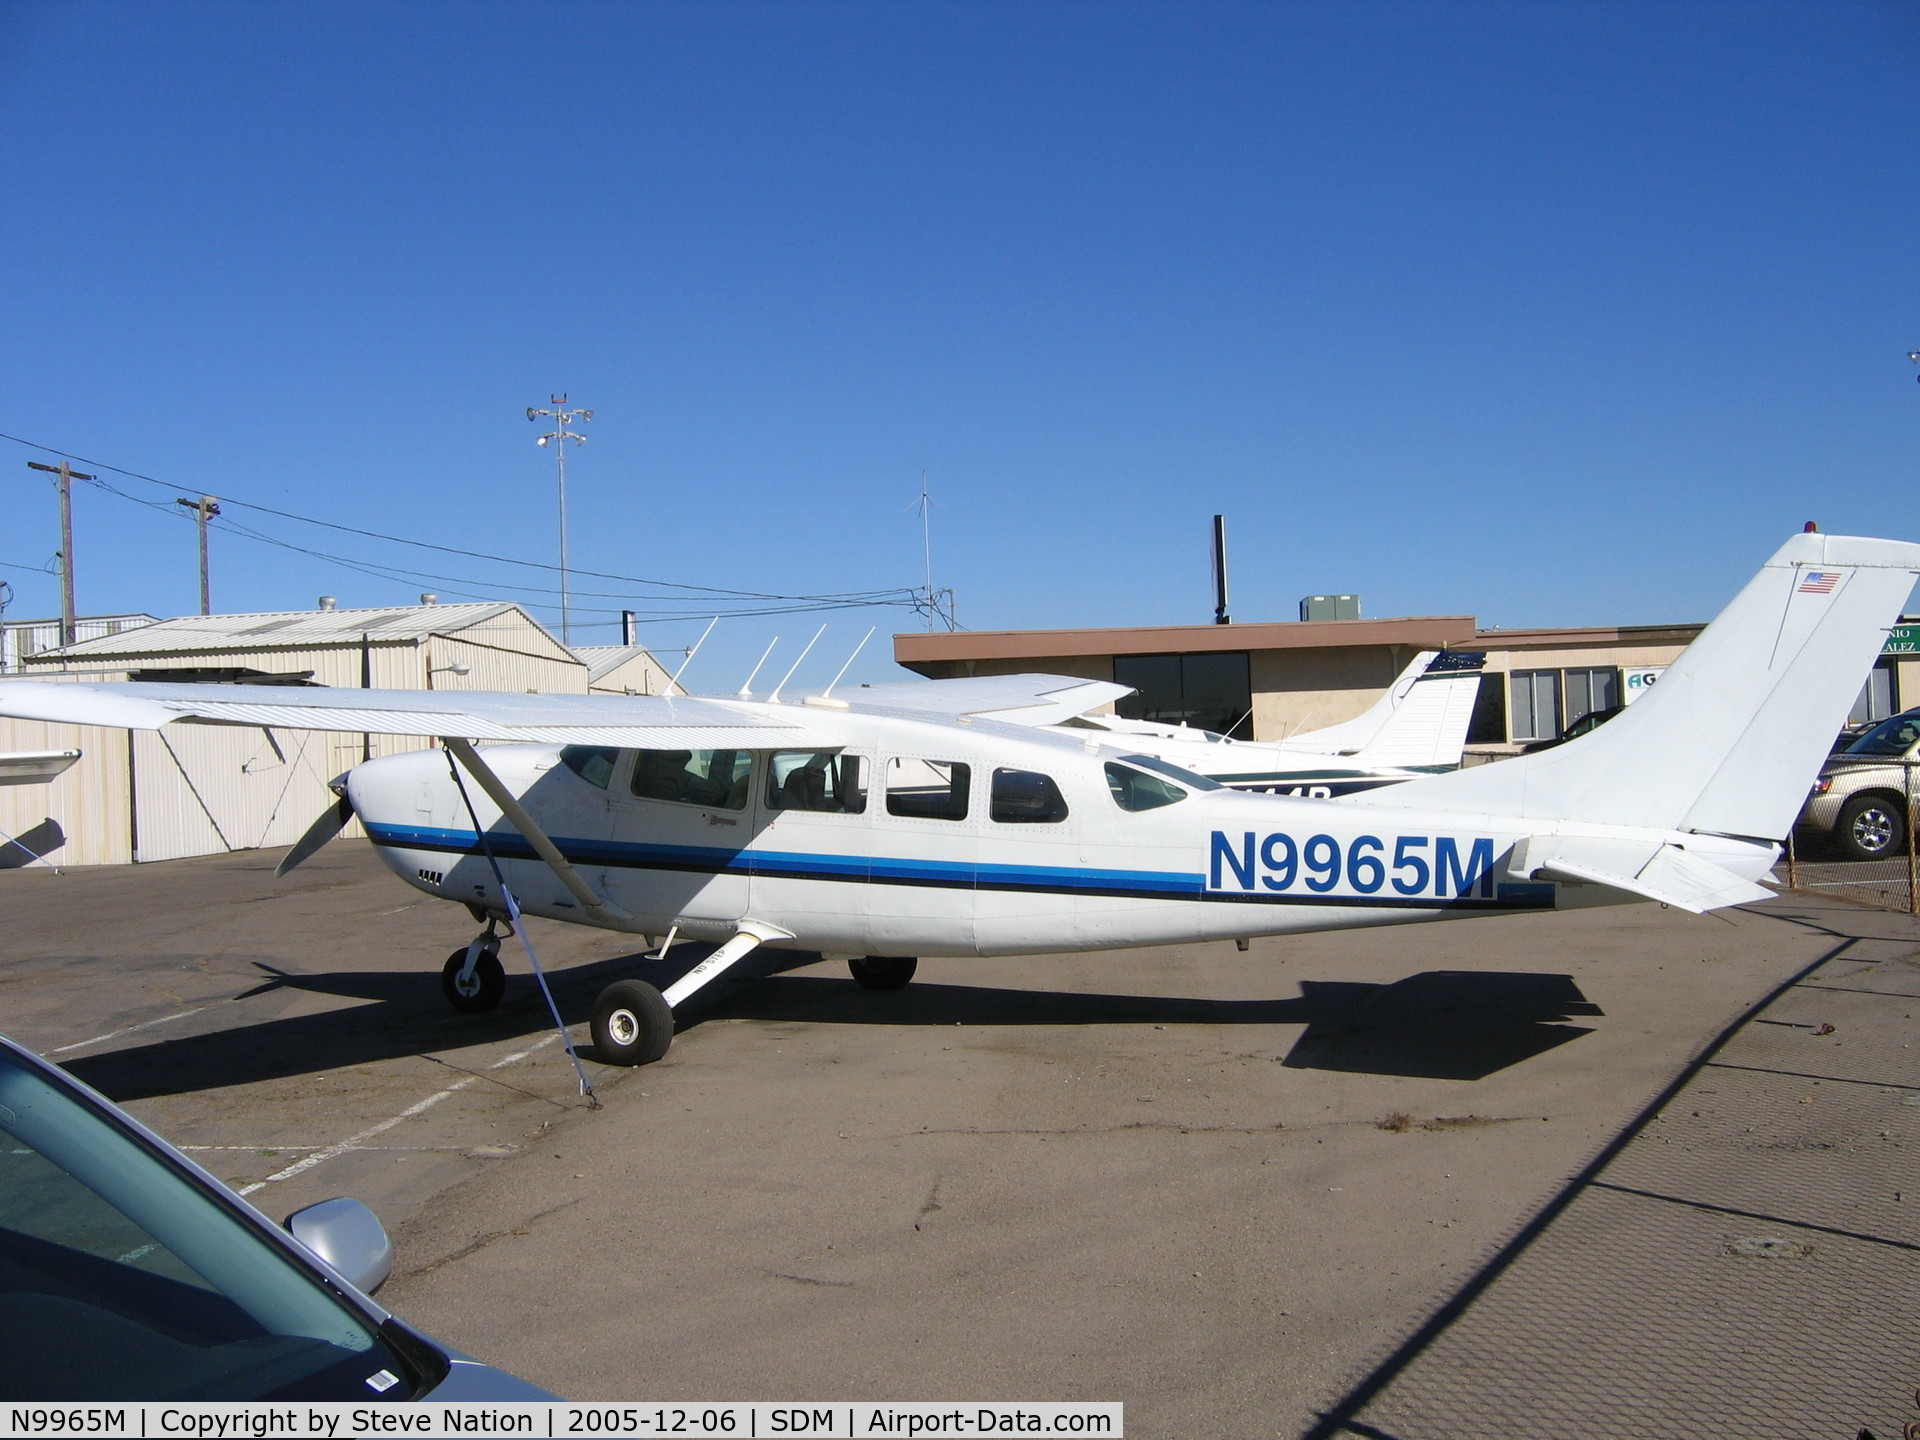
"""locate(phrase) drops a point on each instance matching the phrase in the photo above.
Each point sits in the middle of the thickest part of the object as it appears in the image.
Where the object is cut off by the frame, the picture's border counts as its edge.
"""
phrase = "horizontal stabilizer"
(1667, 874)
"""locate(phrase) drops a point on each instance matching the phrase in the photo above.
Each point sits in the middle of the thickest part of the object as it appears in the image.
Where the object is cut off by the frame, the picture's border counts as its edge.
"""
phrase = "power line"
(866, 596)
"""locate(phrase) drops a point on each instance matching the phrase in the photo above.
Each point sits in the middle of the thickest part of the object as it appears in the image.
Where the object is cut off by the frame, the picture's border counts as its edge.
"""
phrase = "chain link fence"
(1854, 839)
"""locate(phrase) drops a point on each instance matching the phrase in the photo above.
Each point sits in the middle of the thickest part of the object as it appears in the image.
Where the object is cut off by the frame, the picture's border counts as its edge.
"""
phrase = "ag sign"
(1637, 681)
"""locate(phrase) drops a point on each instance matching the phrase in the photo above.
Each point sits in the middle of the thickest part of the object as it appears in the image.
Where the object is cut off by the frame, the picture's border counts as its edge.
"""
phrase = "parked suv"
(1859, 803)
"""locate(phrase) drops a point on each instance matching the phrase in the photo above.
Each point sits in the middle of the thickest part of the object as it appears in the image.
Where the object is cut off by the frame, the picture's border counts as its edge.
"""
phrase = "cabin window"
(1136, 790)
(815, 780)
(1026, 797)
(714, 778)
(928, 789)
(591, 763)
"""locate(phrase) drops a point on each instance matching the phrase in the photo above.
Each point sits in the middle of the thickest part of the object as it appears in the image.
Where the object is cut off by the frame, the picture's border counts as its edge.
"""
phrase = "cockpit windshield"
(1188, 778)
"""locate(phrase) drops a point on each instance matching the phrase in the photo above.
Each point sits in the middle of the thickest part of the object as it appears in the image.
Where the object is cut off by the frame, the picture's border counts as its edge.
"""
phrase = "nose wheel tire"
(479, 991)
(883, 972)
(1871, 828)
(632, 1024)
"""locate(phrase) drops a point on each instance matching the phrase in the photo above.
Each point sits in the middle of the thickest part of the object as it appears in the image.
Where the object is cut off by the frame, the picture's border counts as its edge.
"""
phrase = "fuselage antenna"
(747, 689)
(850, 659)
(674, 683)
(774, 699)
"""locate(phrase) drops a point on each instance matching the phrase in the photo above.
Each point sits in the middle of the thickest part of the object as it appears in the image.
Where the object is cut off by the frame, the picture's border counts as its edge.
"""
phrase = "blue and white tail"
(1730, 739)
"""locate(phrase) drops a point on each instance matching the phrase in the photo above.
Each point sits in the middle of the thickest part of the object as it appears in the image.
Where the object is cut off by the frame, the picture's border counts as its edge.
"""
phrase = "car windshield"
(120, 1279)
(1893, 736)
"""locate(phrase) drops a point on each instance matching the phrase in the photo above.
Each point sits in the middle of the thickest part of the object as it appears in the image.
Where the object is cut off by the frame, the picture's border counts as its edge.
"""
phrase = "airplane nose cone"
(388, 790)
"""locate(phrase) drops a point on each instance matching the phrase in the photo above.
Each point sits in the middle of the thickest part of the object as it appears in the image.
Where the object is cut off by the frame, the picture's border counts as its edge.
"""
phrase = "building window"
(1536, 704)
(1209, 691)
(1878, 697)
(1489, 723)
(1592, 689)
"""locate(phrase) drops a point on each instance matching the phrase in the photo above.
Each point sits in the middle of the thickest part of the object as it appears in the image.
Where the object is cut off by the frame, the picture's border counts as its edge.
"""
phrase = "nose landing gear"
(473, 978)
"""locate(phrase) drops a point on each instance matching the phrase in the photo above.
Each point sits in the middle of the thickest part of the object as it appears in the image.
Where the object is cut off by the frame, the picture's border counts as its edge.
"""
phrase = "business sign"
(1902, 640)
(1636, 681)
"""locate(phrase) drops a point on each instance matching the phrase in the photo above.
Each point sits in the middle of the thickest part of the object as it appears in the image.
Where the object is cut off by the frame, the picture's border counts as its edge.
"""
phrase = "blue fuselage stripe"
(939, 874)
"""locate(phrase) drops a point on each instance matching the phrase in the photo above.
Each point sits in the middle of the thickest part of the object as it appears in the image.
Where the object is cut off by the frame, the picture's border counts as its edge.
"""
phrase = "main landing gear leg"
(473, 977)
(633, 1022)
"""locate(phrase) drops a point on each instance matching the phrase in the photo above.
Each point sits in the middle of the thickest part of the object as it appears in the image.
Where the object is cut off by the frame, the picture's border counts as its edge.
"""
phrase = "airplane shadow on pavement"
(1440, 1024)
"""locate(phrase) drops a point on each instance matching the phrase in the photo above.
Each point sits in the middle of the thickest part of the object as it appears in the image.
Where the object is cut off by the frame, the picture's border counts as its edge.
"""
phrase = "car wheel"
(1871, 828)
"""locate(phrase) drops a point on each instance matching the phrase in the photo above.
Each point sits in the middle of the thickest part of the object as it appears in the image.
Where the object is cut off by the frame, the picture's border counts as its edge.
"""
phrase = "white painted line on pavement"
(419, 1107)
(143, 1025)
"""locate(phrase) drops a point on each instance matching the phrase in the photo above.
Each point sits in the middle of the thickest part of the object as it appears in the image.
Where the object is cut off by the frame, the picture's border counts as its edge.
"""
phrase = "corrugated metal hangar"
(200, 789)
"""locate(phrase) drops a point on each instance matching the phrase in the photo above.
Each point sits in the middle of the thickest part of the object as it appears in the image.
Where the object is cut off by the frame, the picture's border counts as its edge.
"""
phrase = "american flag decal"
(1819, 582)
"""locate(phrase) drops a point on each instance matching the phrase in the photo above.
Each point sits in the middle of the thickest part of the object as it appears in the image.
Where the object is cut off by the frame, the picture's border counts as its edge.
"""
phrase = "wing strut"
(516, 814)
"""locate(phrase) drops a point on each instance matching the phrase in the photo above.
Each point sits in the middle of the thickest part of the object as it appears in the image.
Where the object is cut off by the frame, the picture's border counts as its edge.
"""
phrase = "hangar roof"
(306, 629)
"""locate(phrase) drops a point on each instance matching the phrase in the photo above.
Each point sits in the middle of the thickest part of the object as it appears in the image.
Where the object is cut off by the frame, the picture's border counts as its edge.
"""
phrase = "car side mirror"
(349, 1237)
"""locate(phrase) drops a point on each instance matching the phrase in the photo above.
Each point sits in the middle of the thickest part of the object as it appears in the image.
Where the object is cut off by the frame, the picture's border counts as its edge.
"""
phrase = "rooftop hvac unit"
(1330, 607)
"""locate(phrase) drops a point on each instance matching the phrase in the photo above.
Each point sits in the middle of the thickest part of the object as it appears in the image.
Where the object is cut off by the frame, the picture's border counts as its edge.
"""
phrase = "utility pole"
(558, 437)
(67, 476)
(202, 509)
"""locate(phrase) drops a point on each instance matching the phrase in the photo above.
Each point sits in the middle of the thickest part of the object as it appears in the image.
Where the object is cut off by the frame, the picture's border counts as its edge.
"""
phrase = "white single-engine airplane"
(936, 819)
(1418, 727)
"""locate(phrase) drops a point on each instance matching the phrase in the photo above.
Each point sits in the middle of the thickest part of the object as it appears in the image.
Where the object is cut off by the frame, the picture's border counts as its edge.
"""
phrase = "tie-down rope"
(520, 929)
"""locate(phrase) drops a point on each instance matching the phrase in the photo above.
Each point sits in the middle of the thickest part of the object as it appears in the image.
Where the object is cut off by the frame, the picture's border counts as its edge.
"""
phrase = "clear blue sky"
(1552, 313)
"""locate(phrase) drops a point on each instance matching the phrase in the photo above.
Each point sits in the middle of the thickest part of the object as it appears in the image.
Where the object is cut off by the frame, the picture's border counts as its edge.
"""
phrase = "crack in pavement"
(485, 1240)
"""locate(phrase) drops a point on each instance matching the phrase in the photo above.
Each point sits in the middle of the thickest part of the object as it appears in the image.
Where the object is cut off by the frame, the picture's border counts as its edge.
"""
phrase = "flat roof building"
(1268, 680)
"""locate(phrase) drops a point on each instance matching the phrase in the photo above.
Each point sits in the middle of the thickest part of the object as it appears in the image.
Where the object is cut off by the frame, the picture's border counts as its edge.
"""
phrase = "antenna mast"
(562, 417)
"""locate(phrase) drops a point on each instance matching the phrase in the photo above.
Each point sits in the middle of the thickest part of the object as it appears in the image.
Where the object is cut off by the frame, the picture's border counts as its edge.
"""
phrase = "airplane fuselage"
(934, 837)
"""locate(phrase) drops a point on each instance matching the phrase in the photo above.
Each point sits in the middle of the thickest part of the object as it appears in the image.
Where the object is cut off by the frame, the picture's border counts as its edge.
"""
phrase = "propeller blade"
(331, 822)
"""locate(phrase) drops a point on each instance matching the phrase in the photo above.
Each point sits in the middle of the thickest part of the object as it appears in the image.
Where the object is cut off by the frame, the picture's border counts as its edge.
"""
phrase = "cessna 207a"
(1419, 727)
(936, 819)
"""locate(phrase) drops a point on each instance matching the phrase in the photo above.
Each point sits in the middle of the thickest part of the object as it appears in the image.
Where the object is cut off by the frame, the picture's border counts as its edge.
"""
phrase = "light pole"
(202, 509)
(67, 476)
(562, 417)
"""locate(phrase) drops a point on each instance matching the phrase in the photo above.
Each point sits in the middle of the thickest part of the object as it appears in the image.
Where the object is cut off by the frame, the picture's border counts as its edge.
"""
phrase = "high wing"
(1018, 699)
(639, 721)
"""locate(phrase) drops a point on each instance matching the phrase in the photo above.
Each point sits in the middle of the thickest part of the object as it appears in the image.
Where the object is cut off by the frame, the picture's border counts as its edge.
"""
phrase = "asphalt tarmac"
(1219, 1187)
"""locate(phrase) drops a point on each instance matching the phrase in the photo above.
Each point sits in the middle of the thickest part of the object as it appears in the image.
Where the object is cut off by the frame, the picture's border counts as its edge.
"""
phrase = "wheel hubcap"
(467, 983)
(1873, 830)
(624, 1026)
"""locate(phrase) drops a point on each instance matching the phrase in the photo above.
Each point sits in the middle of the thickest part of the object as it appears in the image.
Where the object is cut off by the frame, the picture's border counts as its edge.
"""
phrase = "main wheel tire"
(632, 1024)
(1871, 828)
(483, 988)
(883, 972)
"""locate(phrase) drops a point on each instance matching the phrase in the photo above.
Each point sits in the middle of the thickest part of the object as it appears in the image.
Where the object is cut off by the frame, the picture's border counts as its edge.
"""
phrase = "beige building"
(206, 789)
(1265, 681)
(624, 670)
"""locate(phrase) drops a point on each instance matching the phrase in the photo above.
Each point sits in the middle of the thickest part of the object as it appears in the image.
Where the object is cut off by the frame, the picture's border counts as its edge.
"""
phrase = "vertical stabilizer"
(1733, 734)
